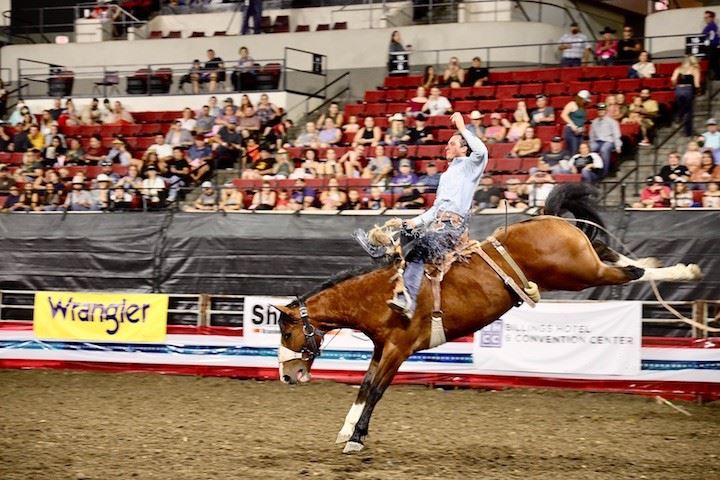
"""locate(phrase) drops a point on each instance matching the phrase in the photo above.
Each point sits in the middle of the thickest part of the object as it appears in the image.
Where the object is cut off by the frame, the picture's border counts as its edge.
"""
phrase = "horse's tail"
(581, 200)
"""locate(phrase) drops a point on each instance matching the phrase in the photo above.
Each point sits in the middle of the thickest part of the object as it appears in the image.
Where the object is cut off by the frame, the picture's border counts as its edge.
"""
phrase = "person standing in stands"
(252, 8)
(686, 79)
(712, 41)
(574, 116)
(574, 47)
(629, 48)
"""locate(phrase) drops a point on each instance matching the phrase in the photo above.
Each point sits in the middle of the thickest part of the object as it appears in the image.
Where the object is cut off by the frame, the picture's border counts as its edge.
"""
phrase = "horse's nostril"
(286, 378)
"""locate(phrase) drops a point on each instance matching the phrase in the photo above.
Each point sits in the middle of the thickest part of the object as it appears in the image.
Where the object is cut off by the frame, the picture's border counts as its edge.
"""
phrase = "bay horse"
(549, 250)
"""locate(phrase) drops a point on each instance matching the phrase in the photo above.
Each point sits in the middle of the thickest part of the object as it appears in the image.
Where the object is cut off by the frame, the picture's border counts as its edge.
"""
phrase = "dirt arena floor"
(69, 425)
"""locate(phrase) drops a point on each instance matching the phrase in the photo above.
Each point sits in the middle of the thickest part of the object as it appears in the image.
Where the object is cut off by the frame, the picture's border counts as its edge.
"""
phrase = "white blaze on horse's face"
(294, 365)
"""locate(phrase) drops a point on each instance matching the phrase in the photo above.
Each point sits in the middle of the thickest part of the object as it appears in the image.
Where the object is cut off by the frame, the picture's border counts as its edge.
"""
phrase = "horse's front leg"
(357, 408)
(387, 368)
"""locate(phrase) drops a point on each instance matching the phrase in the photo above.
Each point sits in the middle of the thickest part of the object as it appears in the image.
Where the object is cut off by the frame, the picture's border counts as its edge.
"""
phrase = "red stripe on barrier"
(669, 389)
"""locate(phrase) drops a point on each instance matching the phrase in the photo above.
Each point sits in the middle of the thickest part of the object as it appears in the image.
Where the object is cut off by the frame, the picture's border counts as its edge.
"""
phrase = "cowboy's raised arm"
(479, 152)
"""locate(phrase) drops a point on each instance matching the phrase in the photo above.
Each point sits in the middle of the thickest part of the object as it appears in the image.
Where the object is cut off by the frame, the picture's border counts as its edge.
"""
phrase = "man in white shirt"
(437, 104)
(575, 47)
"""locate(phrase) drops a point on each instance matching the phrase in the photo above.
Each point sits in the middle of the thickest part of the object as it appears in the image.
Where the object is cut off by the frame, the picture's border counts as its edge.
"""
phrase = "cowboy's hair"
(463, 142)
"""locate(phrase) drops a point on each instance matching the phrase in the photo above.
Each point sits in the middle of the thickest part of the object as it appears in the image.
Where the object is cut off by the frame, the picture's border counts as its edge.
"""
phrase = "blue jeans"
(684, 95)
(589, 176)
(605, 150)
(572, 140)
(253, 8)
(570, 62)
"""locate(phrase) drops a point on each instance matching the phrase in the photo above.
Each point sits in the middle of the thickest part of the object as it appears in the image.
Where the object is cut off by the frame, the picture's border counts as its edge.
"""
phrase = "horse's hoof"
(694, 271)
(351, 447)
(343, 437)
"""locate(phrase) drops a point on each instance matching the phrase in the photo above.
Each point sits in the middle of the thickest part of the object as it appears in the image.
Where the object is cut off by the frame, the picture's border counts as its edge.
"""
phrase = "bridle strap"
(310, 349)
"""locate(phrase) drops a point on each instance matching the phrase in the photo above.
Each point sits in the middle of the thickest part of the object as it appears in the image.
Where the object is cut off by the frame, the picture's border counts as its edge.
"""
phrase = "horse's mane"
(580, 199)
(341, 277)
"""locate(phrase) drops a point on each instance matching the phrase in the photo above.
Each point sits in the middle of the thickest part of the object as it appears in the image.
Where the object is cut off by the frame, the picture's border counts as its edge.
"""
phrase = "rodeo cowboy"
(429, 236)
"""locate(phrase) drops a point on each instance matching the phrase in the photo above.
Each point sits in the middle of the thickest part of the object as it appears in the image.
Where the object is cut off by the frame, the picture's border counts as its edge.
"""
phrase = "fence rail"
(204, 310)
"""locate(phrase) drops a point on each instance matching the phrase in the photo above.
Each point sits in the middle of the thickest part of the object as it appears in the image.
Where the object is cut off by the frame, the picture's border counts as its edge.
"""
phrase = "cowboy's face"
(455, 148)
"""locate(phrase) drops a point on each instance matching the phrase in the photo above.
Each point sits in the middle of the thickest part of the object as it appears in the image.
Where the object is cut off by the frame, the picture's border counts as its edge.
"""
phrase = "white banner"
(572, 338)
(260, 326)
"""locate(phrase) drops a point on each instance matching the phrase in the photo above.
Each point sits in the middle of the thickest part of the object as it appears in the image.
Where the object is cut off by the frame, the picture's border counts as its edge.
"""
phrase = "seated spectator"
(227, 146)
(283, 201)
(283, 167)
(369, 135)
(487, 195)
(119, 153)
(528, 145)
(74, 154)
(354, 201)
(437, 104)
(19, 114)
(212, 72)
(711, 138)
(101, 192)
(454, 75)
(654, 195)
(153, 188)
(418, 101)
(514, 196)
(711, 197)
(57, 109)
(264, 199)
(131, 182)
(228, 115)
(352, 126)
(301, 196)
(231, 198)
(520, 124)
(605, 137)
(119, 115)
(673, 170)
(405, 176)
(177, 174)
(193, 72)
(379, 166)
(162, 149)
(692, 158)
(476, 74)
(308, 167)
(309, 138)
(91, 114)
(265, 111)
(431, 179)
(375, 200)
(243, 75)
(644, 68)
(555, 160)
(6, 181)
(706, 173)
(329, 166)
(543, 114)
(53, 151)
(204, 121)
(588, 164)
(244, 102)
(410, 198)
(36, 138)
(187, 122)
(495, 133)
(48, 199)
(46, 121)
(121, 200)
(330, 134)
(682, 197)
(95, 152)
(606, 50)
(6, 144)
(16, 201)
(332, 198)
(79, 199)
(396, 132)
(333, 112)
(419, 134)
(262, 166)
(351, 161)
(248, 120)
(430, 79)
(475, 126)
(207, 201)
(55, 132)
(540, 184)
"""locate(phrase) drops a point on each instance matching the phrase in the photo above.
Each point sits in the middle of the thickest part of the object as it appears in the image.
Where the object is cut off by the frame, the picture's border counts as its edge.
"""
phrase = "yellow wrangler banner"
(106, 317)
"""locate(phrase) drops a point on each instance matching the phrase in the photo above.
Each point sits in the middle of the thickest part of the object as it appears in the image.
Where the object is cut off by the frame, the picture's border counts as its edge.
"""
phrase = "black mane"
(338, 278)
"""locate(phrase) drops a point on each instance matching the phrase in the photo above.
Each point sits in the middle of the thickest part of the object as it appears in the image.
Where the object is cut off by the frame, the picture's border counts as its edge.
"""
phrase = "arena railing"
(211, 310)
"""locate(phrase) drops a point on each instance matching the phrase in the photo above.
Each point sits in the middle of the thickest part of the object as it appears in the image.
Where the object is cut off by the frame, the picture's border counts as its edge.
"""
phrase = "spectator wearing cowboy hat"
(476, 126)
(79, 199)
(101, 192)
(396, 132)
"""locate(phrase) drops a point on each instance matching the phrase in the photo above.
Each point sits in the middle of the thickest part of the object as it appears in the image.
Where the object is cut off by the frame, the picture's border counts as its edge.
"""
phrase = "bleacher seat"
(484, 91)
(302, 28)
(374, 96)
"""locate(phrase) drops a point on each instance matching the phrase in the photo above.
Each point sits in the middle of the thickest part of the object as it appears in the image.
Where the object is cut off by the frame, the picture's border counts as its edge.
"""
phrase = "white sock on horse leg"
(350, 420)
(676, 273)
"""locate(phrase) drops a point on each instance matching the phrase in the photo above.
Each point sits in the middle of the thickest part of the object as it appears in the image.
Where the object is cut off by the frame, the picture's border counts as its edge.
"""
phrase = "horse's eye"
(286, 336)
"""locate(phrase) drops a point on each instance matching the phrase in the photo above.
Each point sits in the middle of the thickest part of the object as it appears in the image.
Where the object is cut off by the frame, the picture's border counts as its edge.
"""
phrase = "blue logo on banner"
(491, 335)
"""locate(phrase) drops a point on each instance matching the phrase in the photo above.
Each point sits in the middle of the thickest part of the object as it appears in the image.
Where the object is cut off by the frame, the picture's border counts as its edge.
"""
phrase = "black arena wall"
(285, 254)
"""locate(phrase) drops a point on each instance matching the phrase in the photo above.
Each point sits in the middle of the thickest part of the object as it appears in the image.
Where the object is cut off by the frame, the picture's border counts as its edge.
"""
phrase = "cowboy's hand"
(408, 225)
(457, 120)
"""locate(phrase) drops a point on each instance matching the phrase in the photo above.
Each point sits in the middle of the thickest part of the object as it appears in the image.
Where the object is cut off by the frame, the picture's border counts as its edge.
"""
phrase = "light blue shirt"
(458, 183)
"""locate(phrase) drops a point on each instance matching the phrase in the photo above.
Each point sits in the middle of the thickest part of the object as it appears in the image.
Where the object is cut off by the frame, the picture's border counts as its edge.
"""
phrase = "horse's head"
(299, 343)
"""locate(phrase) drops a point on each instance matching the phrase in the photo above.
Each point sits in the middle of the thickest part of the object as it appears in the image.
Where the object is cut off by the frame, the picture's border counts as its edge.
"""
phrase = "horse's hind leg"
(612, 257)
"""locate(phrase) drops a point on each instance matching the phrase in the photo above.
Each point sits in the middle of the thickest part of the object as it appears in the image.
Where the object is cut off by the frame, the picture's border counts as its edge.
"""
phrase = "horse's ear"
(284, 310)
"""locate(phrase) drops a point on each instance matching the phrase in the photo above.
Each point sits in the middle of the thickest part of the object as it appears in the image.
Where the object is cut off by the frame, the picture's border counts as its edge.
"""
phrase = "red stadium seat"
(464, 106)
(375, 109)
(353, 109)
(485, 91)
(508, 164)
(500, 77)
(657, 83)
(568, 178)
(628, 84)
(500, 150)
(460, 93)
(552, 89)
(506, 91)
(444, 134)
(488, 105)
(430, 151)
(546, 132)
(396, 107)
(374, 96)
(665, 69)
(603, 87)
(394, 96)
(531, 89)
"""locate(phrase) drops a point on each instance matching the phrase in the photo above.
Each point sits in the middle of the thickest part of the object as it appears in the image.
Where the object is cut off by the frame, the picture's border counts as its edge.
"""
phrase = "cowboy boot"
(404, 301)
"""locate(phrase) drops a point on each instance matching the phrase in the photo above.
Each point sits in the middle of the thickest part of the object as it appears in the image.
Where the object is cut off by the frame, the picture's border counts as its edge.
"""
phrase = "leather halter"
(310, 348)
